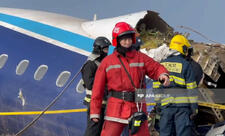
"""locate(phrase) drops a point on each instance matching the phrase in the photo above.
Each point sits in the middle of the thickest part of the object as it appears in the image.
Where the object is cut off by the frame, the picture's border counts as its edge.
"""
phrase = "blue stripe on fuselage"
(52, 32)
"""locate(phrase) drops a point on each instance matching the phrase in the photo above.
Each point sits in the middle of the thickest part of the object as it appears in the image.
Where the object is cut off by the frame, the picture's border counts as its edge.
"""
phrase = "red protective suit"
(111, 73)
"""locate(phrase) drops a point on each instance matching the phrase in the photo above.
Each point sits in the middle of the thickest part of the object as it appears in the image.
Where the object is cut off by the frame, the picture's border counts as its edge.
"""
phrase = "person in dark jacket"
(178, 102)
(100, 50)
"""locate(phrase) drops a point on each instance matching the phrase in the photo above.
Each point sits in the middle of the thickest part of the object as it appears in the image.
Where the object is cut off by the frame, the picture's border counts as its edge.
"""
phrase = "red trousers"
(111, 128)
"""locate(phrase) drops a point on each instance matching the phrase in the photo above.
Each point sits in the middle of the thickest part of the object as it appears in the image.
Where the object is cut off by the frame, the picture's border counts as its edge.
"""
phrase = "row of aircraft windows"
(39, 73)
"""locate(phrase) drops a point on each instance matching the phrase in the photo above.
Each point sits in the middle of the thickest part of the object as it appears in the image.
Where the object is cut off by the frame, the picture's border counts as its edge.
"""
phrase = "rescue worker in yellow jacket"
(178, 101)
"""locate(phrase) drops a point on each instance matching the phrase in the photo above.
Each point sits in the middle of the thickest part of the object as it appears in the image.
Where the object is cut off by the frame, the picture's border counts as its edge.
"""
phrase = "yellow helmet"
(180, 43)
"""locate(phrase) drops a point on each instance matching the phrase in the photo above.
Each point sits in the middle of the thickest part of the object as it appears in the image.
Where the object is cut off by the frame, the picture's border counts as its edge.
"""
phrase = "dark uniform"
(178, 101)
(88, 74)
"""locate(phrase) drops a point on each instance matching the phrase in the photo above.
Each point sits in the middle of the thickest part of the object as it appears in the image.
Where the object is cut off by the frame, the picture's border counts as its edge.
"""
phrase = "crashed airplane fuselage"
(40, 51)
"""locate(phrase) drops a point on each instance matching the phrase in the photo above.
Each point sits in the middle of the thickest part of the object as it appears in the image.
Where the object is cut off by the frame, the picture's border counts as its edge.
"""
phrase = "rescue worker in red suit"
(121, 104)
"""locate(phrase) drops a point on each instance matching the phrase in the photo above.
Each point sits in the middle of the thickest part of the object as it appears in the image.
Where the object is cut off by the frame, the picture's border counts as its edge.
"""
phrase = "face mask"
(123, 50)
(103, 54)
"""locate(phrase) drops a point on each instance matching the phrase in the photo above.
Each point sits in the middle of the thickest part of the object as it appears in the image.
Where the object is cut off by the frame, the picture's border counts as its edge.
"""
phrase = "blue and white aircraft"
(40, 52)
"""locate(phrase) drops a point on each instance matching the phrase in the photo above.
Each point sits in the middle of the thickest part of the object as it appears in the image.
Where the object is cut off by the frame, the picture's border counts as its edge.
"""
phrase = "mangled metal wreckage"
(156, 35)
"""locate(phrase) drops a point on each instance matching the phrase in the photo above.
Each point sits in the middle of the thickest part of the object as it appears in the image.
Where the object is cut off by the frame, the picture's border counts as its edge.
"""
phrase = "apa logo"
(116, 30)
(140, 95)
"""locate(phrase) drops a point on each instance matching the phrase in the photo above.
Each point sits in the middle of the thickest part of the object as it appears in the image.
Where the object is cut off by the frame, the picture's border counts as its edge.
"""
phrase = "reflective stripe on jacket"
(88, 74)
(182, 90)
(112, 73)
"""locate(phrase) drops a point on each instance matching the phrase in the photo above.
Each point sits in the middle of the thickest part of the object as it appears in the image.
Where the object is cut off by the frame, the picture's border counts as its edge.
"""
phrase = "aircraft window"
(3, 59)
(40, 72)
(21, 67)
(62, 78)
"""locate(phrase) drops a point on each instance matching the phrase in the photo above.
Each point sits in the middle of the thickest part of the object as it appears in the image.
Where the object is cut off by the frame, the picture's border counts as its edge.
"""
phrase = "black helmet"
(99, 44)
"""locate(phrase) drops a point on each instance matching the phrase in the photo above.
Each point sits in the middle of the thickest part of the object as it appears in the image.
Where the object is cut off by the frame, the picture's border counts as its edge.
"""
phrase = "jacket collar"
(129, 54)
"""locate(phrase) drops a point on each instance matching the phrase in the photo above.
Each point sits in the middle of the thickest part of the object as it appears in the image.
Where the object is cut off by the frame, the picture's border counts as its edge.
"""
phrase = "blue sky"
(205, 16)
